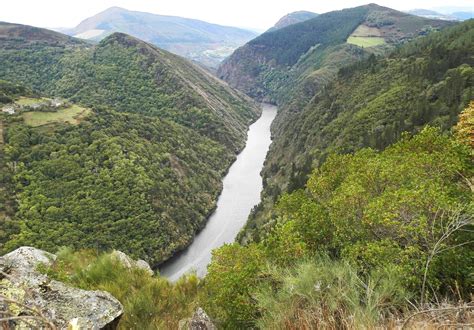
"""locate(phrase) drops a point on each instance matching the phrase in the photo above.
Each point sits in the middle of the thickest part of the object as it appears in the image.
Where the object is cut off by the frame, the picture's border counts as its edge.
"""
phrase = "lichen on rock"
(199, 321)
(24, 291)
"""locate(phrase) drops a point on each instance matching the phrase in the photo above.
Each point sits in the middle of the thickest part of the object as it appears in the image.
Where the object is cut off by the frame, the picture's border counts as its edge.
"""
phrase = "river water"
(241, 191)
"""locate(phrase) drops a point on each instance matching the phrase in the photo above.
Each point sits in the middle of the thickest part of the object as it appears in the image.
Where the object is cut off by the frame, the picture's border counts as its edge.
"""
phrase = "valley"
(192, 175)
(241, 192)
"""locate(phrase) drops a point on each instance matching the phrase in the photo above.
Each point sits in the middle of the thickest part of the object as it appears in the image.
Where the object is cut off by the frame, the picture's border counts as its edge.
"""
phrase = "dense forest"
(370, 104)
(128, 75)
(141, 172)
(116, 180)
(372, 235)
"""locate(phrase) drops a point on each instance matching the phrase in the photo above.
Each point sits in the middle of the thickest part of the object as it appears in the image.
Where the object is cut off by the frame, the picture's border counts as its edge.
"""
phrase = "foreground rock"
(199, 321)
(26, 293)
(130, 263)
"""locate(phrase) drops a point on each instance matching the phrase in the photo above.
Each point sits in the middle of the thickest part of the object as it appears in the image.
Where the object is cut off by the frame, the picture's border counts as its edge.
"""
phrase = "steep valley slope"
(334, 96)
(141, 172)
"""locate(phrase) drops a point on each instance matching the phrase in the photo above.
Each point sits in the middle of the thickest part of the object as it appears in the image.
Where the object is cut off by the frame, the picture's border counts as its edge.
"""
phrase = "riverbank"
(241, 192)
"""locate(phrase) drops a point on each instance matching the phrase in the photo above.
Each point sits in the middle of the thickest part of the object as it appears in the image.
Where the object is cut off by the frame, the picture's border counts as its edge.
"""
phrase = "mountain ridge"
(198, 40)
(293, 18)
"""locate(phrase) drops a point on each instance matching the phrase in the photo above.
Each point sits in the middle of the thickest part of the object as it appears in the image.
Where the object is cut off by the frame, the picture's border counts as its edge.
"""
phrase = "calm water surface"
(241, 191)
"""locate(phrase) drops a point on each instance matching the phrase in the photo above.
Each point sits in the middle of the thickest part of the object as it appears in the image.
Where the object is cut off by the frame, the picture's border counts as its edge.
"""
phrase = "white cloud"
(245, 13)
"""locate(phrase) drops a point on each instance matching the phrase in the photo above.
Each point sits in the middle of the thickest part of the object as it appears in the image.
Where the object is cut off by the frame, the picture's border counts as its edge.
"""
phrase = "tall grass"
(325, 294)
(150, 302)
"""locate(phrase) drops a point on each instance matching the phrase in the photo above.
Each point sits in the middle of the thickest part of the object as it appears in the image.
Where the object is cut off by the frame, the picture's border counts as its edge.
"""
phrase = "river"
(241, 192)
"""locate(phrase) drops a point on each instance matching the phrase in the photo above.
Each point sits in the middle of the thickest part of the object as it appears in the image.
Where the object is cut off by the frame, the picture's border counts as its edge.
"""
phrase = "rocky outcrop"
(130, 263)
(33, 300)
(199, 321)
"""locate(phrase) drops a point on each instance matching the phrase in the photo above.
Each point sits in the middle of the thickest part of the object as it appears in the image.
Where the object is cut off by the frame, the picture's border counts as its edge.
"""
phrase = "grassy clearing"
(365, 41)
(366, 31)
(25, 101)
(72, 115)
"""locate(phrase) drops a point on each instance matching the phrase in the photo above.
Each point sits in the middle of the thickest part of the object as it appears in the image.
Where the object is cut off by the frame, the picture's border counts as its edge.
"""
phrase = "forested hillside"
(270, 66)
(134, 163)
(376, 240)
(370, 104)
(129, 75)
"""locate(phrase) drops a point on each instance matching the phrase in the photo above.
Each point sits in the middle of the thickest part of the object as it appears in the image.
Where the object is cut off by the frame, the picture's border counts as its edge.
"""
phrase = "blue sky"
(260, 14)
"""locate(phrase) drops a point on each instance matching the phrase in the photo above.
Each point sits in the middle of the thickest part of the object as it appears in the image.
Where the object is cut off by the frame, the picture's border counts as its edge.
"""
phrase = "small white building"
(57, 103)
(10, 109)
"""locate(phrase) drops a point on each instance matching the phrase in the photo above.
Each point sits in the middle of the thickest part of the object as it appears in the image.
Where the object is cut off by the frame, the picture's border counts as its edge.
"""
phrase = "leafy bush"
(232, 278)
(389, 208)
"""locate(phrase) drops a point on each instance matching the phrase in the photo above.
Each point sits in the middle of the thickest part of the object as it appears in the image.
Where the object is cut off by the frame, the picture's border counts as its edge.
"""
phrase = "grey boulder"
(26, 292)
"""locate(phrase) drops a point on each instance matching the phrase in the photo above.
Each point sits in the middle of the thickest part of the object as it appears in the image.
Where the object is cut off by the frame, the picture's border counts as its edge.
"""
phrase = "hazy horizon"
(245, 13)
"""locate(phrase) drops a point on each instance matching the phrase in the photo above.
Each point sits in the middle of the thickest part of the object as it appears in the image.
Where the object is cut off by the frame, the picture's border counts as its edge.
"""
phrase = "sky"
(255, 14)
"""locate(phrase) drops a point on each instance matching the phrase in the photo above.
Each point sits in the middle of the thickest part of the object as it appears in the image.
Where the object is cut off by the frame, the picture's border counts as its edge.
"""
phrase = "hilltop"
(152, 81)
(24, 36)
(293, 18)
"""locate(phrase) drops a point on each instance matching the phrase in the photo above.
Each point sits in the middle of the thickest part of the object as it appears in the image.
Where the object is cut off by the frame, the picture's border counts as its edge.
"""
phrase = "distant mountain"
(16, 35)
(463, 15)
(431, 14)
(293, 18)
(200, 41)
(142, 172)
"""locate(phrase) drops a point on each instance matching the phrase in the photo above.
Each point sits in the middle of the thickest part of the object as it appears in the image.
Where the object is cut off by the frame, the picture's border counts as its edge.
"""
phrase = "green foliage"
(301, 58)
(142, 173)
(370, 104)
(383, 219)
(127, 75)
(149, 302)
(388, 209)
(115, 181)
(332, 28)
(9, 91)
(233, 276)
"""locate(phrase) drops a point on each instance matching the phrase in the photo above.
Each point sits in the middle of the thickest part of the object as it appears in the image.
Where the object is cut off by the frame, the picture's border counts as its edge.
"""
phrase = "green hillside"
(268, 64)
(129, 75)
(370, 104)
(133, 162)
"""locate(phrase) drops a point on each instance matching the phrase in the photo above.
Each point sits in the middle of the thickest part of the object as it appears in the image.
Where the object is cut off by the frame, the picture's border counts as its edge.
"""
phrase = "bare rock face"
(25, 292)
(199, 321)
(130, 263)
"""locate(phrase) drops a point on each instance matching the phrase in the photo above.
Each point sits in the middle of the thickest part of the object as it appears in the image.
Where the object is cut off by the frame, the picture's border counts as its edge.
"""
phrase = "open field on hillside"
(366, 31)
(365, 41)
(72, 115)
(26, 101)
